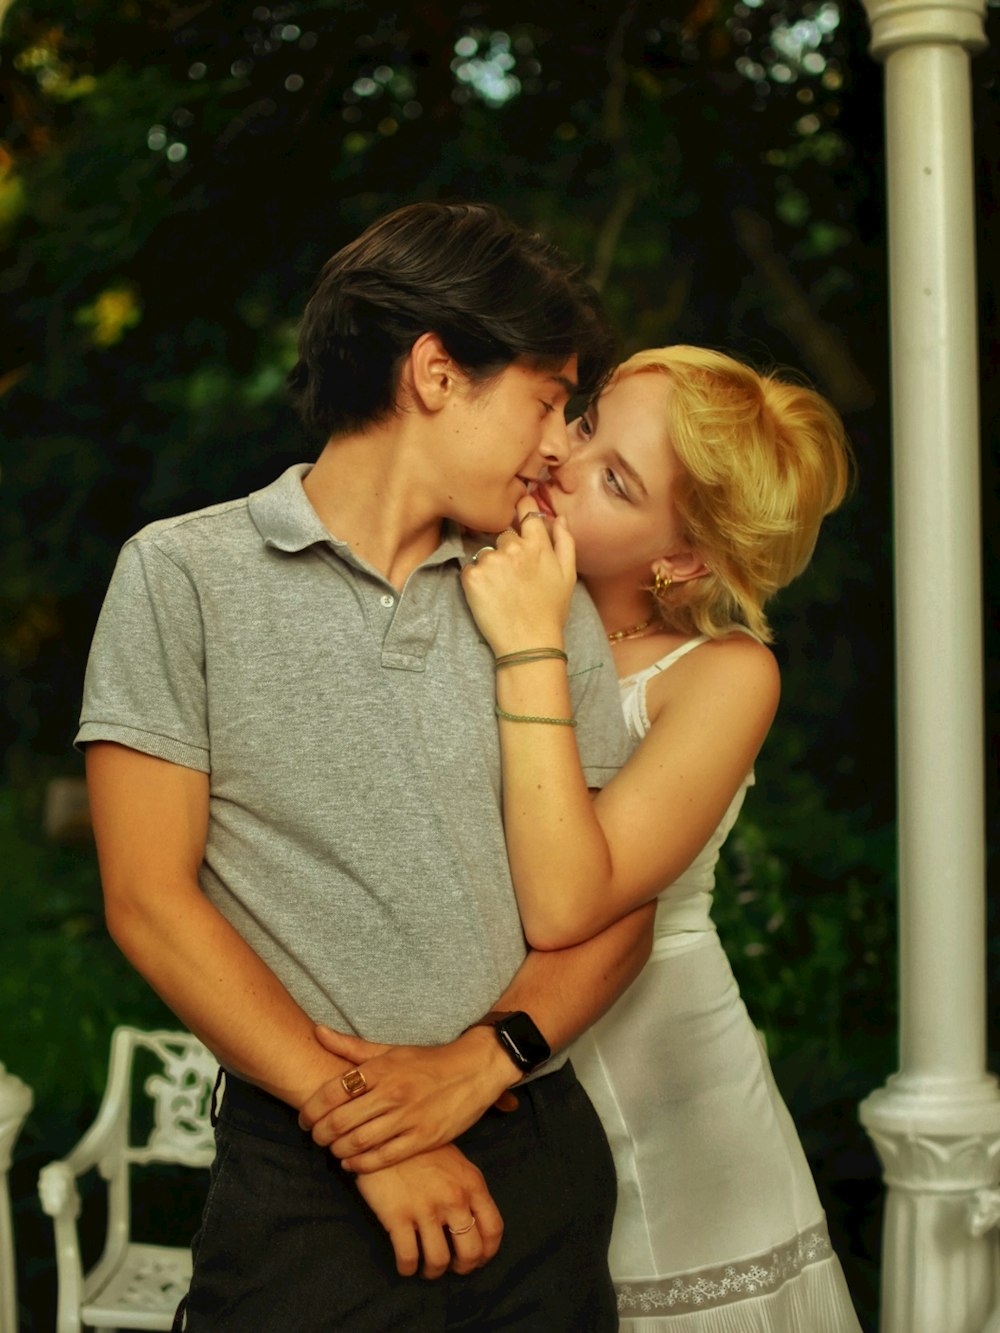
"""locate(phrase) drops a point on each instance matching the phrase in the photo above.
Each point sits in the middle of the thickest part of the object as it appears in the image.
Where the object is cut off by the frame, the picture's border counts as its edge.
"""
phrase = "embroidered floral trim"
(726, 1283)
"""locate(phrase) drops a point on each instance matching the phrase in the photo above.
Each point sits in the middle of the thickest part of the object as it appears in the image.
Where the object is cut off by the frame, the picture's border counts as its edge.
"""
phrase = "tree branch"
(821, 346)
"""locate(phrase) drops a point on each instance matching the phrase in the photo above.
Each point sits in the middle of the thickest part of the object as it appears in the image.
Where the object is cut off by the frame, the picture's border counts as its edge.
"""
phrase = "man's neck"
(363, 491)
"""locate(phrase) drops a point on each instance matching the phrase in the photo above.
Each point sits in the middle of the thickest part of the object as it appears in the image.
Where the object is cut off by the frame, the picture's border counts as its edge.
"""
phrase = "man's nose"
(555, 443)
(563, 475)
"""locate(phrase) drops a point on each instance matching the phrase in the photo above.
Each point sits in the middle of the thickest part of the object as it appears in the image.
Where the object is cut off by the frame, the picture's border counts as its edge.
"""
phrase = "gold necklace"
(630, 631)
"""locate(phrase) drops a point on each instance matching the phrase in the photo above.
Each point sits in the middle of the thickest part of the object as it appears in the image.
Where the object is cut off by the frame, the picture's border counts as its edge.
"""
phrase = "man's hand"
(418, 1097)
(435, 1205)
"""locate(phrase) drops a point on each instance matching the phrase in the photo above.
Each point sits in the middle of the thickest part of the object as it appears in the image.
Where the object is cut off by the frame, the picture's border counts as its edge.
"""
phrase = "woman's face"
(616, 489)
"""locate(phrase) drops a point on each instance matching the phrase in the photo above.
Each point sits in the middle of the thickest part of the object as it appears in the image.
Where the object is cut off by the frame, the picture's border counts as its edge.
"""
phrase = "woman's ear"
(429, 375)
(681, 566)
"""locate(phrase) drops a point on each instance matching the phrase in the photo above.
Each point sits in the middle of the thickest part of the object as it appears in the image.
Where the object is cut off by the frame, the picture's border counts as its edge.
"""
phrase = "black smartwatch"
(518, 1035)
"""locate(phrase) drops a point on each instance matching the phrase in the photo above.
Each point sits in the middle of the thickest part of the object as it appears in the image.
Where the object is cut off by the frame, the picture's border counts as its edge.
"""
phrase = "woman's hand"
(520, 593)
(417, 1097)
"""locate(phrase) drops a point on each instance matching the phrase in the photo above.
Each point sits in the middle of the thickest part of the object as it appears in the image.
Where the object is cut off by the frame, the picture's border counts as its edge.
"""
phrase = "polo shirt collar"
(287, 521)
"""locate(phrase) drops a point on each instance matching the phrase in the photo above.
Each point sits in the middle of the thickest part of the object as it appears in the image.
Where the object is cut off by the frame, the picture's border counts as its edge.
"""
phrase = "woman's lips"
(541, 498)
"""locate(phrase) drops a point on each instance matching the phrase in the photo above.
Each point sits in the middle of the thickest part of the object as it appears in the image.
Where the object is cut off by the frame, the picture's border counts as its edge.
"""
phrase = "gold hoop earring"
(661, 583)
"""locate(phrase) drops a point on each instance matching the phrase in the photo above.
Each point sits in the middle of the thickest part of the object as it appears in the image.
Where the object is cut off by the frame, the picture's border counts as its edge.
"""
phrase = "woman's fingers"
(533, 523)
(565, 548)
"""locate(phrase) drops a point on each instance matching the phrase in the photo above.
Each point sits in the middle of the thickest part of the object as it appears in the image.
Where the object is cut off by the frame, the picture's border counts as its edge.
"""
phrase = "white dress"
(719, 1228)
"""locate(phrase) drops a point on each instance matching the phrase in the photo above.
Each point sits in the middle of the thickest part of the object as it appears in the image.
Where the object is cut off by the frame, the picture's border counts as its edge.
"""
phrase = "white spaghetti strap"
(633, 688)
(678, 653)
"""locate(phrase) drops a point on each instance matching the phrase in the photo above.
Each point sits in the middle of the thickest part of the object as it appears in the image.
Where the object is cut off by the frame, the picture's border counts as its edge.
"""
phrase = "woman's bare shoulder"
(736, 665)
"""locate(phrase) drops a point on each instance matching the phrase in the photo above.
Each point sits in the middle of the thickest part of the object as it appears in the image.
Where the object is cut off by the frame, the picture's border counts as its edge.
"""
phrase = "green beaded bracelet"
(525, 717)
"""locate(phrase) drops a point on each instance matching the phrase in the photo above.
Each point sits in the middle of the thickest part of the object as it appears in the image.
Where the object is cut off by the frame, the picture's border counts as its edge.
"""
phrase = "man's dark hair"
(492, 292)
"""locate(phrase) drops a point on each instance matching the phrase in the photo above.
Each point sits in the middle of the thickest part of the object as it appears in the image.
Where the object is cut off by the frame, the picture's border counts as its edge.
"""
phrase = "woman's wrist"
(525, 656)
(529, 641)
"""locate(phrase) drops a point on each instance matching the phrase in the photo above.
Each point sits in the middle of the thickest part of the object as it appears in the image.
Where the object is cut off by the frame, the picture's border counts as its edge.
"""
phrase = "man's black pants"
(287, 1242)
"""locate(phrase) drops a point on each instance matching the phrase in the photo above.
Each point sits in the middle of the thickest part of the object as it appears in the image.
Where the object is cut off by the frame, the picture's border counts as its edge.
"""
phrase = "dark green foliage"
(63, 988)
(63, 983)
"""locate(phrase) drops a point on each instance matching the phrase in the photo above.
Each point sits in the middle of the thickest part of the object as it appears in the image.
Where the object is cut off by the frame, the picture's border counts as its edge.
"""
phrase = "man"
(294, 775)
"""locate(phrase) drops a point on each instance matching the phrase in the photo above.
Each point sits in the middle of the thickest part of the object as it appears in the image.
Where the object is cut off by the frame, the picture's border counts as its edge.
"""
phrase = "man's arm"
(150, 821)
(420, 1097)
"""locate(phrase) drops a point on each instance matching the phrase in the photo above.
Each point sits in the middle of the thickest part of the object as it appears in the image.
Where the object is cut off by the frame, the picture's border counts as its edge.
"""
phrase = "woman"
(695, 490)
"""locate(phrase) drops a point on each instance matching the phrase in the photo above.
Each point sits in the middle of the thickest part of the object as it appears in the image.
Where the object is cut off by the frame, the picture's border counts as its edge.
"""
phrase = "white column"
(15, 1103)
(936, 1123)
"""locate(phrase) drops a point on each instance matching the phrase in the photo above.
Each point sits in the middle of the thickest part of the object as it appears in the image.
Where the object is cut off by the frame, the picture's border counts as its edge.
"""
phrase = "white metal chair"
(133, 1285)
(16, 1100)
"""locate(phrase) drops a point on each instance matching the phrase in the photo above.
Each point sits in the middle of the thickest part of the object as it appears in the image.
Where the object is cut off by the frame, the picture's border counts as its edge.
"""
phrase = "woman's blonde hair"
(765, 460)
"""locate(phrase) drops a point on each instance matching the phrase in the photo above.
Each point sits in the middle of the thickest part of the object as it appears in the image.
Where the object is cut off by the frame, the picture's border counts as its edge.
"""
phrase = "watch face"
(527, 1047)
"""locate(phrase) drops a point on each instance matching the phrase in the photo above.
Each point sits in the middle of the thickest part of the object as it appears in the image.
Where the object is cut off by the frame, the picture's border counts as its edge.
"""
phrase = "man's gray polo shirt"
(355, 836)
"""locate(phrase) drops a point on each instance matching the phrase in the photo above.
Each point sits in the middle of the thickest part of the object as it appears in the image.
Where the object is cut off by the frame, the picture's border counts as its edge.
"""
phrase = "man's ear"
(428, 375)
(681, 566)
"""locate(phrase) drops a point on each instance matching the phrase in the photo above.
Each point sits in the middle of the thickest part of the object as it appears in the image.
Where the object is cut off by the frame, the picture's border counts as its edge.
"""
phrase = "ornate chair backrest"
(178, 1075)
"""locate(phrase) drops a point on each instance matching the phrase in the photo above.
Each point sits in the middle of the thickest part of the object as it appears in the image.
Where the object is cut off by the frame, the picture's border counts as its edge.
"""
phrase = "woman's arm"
(579, 864)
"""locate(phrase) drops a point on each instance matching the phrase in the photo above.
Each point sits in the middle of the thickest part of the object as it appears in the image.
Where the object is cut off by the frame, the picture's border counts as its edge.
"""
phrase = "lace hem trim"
(726, 1283)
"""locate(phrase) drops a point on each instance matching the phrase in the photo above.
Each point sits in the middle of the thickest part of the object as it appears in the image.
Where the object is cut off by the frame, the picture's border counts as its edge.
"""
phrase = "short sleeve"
(600, 726)
(145, 681)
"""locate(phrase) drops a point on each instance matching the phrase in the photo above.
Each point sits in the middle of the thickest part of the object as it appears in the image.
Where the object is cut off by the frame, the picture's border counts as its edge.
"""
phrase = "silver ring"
(534, 513)
(460, 1231)
(475, 557)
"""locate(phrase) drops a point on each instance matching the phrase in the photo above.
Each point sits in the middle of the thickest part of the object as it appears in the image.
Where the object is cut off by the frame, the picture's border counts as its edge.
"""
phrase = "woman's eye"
(613, 484)
(584, 428)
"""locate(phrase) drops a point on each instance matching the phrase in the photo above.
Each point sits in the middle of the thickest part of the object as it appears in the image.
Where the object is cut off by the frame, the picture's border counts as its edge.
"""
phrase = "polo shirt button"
(387, 599)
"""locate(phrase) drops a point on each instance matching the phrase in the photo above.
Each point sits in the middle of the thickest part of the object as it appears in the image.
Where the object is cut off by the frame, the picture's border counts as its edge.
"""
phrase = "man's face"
(498, 437)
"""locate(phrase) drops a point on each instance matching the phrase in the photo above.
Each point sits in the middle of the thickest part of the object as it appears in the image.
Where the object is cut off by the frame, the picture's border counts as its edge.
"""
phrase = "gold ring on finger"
(354, 1083)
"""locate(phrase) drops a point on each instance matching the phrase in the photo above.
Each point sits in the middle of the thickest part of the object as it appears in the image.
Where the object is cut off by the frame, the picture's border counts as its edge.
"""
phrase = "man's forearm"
(215, 983)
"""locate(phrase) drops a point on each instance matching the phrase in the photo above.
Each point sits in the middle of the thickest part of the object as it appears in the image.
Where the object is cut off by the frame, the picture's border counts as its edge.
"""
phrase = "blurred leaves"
(63, 984)
(111, 315)
(172, 178)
